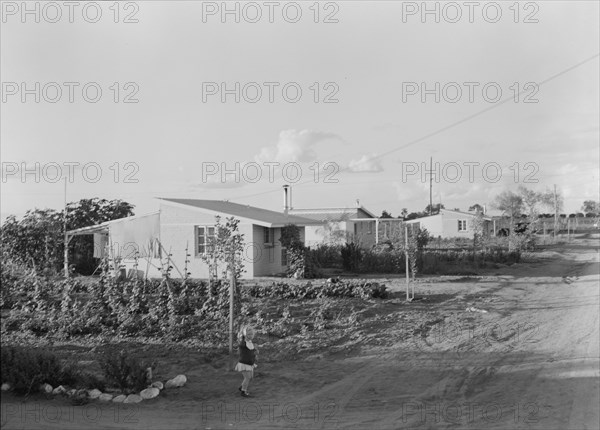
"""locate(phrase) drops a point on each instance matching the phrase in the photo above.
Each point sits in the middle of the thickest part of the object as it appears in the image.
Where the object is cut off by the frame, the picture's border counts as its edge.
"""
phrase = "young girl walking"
(247, 360)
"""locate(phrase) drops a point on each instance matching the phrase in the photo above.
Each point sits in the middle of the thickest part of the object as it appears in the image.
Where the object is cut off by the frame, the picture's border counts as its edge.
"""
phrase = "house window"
(462, 225)
(284, 259)
(204, 235)
(268, 235)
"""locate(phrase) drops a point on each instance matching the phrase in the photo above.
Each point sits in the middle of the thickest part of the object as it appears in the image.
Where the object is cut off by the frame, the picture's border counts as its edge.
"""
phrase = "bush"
(128, 373)
(379, 260)
(330, 289)
(328, 256)
(351, 256)
(25, 369)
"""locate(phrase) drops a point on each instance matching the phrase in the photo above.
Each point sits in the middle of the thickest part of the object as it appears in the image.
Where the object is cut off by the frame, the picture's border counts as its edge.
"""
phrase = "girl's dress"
(247, 356)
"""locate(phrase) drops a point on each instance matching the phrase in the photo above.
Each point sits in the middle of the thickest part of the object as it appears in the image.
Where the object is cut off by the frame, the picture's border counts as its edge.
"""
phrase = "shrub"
(308, 290)
(351, 256)
(11, 273)
(325, 255)
(25, 369)
(379, 260)
(126, 372)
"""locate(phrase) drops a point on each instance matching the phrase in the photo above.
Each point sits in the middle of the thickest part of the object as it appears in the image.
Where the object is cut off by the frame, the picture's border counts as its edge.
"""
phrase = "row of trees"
(523, 202)
(405, 215)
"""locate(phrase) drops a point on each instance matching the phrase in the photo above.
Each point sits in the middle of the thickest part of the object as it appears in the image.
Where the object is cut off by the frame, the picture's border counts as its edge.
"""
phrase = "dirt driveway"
(518, 348)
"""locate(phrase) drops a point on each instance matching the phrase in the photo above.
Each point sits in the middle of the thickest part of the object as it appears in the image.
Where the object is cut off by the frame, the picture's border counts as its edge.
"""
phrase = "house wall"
(177, 230)
(364, 233)
(446, 225)
(433, 224)
(450, 225)
(267, 259)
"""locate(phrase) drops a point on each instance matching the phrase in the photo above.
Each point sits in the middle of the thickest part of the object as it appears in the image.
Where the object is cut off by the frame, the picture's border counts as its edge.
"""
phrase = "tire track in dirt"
(344, 390)
(464, 387)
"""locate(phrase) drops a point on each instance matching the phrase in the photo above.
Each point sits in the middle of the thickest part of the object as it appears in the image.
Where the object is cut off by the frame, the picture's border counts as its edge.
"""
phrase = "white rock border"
(152, 391)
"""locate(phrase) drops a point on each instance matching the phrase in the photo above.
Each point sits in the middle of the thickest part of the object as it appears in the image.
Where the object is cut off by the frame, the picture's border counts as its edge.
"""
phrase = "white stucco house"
(182, 224)
(450, 223)
(339, 226)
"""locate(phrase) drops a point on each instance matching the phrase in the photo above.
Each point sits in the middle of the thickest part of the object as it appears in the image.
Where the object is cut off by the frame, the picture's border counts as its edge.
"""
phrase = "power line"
(452, 125)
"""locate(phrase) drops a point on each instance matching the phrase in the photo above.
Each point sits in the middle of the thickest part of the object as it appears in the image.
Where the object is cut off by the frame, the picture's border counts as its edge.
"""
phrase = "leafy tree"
(480, 234)
(333, 234)
(385, 214)
(511, 204)
(476, 208)
(295, 249)
(88, 212)
(36, 240)
(415, 215)
(225, 249)
(534, 200)
(435, 208)
(590, 207)
(404, 213)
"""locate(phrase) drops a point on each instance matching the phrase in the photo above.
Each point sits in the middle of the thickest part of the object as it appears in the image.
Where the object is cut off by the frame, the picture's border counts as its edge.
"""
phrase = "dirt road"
(516, 349)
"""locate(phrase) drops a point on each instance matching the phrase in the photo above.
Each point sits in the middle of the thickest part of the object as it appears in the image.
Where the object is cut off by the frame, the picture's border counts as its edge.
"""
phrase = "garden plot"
(530, 361)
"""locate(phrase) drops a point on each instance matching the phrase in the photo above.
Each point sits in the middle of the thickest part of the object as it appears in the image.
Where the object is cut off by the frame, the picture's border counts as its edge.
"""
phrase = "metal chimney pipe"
(285, 198)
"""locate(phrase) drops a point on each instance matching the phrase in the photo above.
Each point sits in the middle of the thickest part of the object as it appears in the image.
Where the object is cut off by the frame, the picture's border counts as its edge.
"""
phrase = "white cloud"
(368, 163)
(294, 145)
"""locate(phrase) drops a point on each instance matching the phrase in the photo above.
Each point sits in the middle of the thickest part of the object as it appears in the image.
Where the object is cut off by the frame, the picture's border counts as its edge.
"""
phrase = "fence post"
(231, 297)
(406, 258)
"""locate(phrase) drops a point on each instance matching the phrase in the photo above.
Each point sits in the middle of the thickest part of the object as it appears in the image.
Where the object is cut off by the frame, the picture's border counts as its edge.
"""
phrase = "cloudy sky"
(344, 100)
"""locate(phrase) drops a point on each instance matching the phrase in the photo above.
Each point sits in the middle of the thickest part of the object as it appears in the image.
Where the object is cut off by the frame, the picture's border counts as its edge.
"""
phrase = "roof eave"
(246, 219)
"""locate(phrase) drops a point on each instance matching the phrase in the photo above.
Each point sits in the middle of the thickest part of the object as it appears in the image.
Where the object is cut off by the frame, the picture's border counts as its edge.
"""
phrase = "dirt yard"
(517, 347)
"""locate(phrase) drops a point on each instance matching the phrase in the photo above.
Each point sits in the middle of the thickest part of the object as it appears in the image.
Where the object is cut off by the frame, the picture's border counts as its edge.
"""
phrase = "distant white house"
(339, 226)
(182, 224)
(449, 223)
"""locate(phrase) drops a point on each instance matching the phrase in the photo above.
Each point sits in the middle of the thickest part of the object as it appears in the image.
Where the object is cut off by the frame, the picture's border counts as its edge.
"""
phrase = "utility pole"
(431, 186)
(66, 238)
(406, 258)
(555, 212)
(231, 297)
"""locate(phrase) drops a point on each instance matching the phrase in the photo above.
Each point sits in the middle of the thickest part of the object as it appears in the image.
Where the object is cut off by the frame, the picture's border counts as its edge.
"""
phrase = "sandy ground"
(525, 355)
